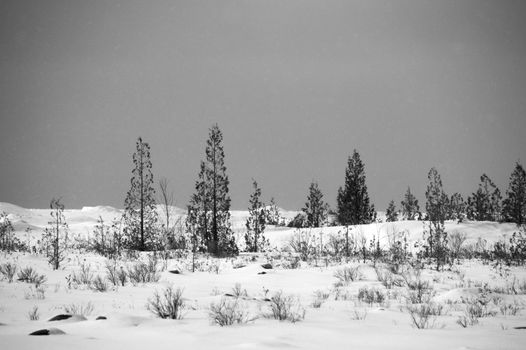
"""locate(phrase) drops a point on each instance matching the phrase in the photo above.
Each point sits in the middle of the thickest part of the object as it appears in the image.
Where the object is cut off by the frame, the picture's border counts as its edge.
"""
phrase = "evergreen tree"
(7, 237)
(140, 215)
(436, 207)
(55, 236)
(456, 208)
(484, 204)
(410, 208)
(209, 208)
(391, 213)
(353, 199)
(255, 223)
(514, 206)
(273, 214)
(315, 208)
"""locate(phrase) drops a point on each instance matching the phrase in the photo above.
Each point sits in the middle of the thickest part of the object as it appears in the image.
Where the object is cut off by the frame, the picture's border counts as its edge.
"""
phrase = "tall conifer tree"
(140, 215)
(353, 199)
(209, 208)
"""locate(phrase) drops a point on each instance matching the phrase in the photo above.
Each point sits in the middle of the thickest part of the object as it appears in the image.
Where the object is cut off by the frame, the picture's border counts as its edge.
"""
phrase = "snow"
(130, 325)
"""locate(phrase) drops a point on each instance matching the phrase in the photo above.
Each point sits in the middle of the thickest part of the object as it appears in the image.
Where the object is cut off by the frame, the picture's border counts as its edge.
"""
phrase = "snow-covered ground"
(332, 325)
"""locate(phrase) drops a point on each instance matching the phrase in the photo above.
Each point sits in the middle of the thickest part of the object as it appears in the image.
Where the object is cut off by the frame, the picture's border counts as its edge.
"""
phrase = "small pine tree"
(140, 215)
(353, 199)
(484, 204)
(410, 208)
(456, 208)
(273, 214)
(255, 224)
(55, 236)
(514, 206)
(7, 238)
(436, 207)
(315, 208)
(391, 214)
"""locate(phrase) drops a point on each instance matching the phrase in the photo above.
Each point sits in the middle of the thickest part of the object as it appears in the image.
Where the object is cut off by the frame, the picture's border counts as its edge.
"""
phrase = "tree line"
(207, 223)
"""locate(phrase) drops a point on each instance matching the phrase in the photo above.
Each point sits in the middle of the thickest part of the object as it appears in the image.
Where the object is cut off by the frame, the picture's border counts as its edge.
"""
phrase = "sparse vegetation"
(29, 275)
(169, 304)
(80, 309)
(33, 314)
(348, 274)
(227, 312)
(8, 271)
(285, 307)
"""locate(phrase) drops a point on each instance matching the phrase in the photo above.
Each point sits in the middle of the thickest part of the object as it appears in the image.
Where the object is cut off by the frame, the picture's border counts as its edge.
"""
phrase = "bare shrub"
(81, 309)
(303, 243)
(348, 274)
(142, 272)
(33, 314)
(511, 309)
(239, 292)
(285, 308)
(387, 278)
(99, 284)
(169, 304)
(84, 276)
(370, 295)
(36, 292)
(358, 314)
(29, 275)
(8, 270)
(455, 242)
(319, 298)
(424, 315)
(227, 312)
(418, 290)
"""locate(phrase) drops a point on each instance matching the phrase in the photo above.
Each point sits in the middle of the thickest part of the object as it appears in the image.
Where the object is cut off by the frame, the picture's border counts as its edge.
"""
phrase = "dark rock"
(239, 266)
(520, 327)
(266, 266)
(101, 318)
(60, 317)
(50, 331)
(175, 272)
(262, 273)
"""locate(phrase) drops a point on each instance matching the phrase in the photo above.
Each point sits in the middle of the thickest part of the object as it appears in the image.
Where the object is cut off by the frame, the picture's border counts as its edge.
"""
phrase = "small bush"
(387, 278)
(358, 315)
(348, 274)
(319, 298)
(228, 312)
(423, 315)
(84, 276)
(285, 308)
(512, 309)
(142, 272)
(371, 295)
(33, 314)
(29, 275)
(168, 305)
(239, 292)
(8, 270)
(82, 309)
(37, 292)
(99, 284)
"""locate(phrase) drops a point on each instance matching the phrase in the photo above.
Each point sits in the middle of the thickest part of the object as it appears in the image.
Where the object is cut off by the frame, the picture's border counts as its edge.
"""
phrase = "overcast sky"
(295, 86)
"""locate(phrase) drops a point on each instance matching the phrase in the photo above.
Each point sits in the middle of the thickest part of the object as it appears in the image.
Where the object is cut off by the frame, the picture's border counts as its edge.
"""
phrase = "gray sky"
(294, 85)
